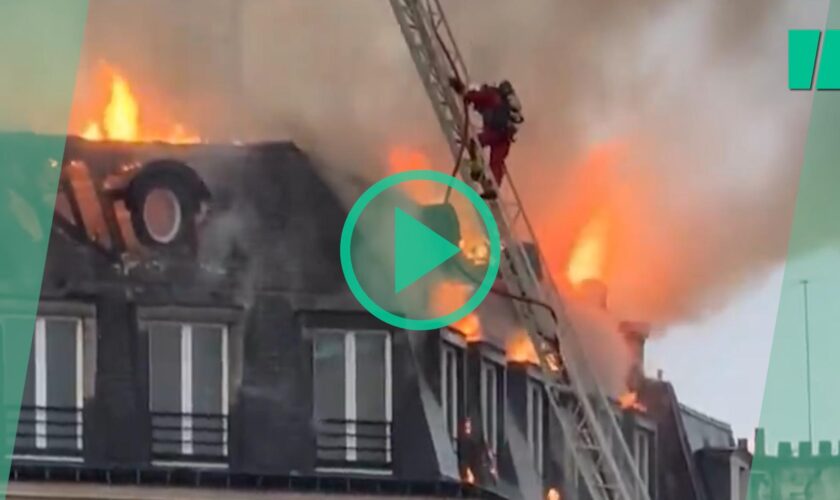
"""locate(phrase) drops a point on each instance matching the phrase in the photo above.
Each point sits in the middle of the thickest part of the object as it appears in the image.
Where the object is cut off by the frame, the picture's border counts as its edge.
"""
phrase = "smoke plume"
(672, 118)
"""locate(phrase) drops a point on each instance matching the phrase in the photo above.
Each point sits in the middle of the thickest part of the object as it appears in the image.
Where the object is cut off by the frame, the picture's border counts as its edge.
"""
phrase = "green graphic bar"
(802, 56)
(796, 447)
(829, 72)
(40, 41)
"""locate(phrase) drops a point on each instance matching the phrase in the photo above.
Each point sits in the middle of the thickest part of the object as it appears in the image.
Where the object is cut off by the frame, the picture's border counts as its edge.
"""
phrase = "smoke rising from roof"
(671, 116)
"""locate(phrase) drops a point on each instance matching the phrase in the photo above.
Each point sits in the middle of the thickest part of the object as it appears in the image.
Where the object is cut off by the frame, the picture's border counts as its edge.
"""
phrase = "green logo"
(803, 47)
(393, 260)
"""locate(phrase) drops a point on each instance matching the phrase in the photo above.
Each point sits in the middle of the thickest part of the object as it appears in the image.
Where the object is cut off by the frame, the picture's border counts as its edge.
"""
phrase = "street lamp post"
(808, 360)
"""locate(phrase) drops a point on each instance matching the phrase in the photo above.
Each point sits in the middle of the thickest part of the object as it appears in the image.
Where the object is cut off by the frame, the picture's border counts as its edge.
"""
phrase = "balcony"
(364, 444)
(189, 437)
(49, 432)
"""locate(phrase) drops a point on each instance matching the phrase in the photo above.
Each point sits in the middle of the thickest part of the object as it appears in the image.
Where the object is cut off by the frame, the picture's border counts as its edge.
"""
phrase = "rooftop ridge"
(698, 414)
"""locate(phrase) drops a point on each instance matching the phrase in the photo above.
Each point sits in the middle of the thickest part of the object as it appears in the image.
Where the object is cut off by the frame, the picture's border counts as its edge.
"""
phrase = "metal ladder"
(587, 417)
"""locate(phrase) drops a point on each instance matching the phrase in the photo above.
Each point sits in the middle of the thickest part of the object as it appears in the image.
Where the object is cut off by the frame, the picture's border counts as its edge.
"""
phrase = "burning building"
(194, 329)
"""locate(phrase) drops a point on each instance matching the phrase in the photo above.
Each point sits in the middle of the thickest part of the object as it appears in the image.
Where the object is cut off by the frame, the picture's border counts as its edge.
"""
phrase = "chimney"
(760, 446)
(635, 334)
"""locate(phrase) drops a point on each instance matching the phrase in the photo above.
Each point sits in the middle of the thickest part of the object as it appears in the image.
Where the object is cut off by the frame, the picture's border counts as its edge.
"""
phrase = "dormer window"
(536, 419)
(491, 395)
(451, 370)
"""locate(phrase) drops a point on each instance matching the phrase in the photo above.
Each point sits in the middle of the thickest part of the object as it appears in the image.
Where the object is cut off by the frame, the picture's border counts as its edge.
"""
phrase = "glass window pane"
(329, 379)
(372, 431)
(61, 383)
(451, 390)
(208, 421)
(370, 377)
(165, 367)
(165, 386)
(489, 405)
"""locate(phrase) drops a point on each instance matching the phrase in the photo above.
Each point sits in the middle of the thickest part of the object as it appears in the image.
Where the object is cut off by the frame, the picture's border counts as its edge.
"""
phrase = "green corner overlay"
(417, 250)
(414, 254)
(796, 451)
(40, 43)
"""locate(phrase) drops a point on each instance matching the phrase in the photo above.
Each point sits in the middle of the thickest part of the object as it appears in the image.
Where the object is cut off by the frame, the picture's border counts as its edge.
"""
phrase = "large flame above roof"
(123, 118)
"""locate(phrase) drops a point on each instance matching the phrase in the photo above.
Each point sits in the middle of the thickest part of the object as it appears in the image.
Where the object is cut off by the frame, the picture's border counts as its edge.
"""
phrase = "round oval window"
(162, 215)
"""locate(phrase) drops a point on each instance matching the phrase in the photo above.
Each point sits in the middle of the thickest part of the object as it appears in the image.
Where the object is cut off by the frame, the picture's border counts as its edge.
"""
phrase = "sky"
(718, 365)
(753, 352)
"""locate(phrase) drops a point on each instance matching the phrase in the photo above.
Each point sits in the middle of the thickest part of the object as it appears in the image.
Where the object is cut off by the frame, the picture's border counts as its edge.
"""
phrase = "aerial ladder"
(587, 417)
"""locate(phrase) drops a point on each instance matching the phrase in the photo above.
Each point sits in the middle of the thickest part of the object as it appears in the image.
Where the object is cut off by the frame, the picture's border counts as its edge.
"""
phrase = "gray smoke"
(695, 91)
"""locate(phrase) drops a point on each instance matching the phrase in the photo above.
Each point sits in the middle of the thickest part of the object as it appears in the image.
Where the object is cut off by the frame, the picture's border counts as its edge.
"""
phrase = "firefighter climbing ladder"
(588, 419)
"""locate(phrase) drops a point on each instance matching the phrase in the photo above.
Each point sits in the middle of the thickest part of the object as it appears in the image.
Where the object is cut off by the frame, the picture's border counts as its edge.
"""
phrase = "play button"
(417, 250)
(399, 256)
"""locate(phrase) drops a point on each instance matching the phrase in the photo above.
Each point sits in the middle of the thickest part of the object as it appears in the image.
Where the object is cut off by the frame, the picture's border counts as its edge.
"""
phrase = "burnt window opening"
(491, 396)
(353, 398)
(50, 411)
(188, 391)
(536, 404)
(451, 387)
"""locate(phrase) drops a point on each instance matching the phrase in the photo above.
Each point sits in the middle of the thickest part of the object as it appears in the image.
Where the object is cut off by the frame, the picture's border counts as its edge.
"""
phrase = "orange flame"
(469, 326)
(474, 244)
(446, 296)
(553, 494)
(404, 159)
(92, 132)
(588, 258)
(121, 120)
(469, 477)
(520, 349)
(476, 251)
(630, 401)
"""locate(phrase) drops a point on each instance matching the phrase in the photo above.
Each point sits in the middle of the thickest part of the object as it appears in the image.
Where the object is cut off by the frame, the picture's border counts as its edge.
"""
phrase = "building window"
(50, 418)
(352, 385)
(451, 368)
(188, 391)
(490, 396)
(642, 455)
(536, 419)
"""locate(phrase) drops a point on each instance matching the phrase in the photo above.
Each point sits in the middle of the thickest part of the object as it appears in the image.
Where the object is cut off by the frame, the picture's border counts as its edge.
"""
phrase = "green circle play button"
(402, 258)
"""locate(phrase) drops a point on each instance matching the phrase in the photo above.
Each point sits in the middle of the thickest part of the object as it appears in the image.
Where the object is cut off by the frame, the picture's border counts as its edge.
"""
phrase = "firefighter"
(501, 114)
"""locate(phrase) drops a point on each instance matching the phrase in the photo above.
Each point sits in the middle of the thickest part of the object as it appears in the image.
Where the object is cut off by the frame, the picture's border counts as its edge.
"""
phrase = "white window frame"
(536, 413)
(641, 454)
(450, 384)
(490, 416)
(186, 334)
(84, 315)
(350, 385)
(39, 348)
